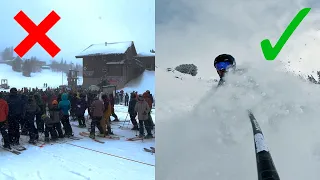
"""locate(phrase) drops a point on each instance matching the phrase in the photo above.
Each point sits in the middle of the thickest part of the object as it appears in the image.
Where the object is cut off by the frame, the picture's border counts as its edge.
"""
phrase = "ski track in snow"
(80, 175)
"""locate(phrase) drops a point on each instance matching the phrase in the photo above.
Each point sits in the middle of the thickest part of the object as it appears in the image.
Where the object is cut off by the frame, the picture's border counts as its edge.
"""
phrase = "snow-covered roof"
(145, 54)
(106, 48)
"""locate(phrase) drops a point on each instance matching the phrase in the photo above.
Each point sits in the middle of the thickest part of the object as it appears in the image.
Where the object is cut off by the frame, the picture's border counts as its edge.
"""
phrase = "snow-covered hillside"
(211, 127)
(146, 81)
(15, 79)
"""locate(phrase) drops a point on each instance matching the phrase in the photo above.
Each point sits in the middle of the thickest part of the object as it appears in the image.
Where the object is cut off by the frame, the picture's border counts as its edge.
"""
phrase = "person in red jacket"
(4, 110)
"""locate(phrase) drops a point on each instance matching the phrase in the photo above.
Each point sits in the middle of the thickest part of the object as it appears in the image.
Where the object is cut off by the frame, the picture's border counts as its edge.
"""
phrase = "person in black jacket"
(126, 99)
(54, 125)
(42, 106)
(132, 112)
(23, 123)
(31, 110)
(82, 106)
(16, 114)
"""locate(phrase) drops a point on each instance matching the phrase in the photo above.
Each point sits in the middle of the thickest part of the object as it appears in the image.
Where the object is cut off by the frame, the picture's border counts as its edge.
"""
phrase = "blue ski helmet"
(224, 61)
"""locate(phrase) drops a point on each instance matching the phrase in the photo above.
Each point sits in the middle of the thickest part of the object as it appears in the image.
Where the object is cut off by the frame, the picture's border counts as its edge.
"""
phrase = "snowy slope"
(211, 127)
(84, 159)
(15, 79)
(146, 81)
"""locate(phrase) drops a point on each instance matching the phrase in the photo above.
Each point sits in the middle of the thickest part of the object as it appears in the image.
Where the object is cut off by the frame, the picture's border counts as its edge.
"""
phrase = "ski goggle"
(222, 65)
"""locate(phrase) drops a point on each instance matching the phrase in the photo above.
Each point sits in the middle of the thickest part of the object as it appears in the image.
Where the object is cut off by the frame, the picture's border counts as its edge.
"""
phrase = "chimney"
(105, 43)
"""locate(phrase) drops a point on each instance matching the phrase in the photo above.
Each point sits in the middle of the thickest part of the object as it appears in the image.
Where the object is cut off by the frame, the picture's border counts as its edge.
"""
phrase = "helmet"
(224, 62)
(13, 90)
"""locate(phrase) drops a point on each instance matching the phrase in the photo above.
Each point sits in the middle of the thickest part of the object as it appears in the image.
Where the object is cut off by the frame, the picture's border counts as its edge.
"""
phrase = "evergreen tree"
(188, 69)
(27, 68)
(17, 64)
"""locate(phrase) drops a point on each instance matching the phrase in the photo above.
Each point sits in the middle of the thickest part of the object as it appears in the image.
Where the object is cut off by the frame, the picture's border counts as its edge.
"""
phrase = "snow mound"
(146, 81)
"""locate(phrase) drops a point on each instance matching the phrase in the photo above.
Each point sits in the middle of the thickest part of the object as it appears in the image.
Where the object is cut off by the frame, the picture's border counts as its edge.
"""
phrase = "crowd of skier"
(31, 112)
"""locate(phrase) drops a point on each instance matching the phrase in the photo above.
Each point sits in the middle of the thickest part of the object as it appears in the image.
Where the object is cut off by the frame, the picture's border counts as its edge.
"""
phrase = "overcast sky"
(83, 22)
(198, 31)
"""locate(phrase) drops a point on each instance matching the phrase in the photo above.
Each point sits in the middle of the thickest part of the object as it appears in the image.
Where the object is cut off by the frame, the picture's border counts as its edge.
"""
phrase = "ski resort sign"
(37, 34)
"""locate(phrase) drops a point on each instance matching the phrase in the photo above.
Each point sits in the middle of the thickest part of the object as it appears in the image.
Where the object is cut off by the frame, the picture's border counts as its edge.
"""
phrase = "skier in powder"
(223, 64)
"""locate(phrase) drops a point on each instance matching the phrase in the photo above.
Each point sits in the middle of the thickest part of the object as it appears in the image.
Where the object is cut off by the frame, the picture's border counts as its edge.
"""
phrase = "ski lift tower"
(73, 79)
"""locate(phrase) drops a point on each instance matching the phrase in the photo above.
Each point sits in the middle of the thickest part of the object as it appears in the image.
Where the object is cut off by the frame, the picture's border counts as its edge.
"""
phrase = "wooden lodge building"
(117, 63)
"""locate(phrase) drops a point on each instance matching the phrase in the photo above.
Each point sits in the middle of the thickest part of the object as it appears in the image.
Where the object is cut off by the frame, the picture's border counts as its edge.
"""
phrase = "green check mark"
(269, 52)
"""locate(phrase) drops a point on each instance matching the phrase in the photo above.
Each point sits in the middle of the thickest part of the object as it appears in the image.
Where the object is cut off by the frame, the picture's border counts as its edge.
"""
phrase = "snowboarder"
(223, 64)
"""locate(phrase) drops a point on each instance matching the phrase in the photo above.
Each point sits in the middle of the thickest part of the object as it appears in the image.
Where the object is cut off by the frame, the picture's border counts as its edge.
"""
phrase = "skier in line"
(132, 112)
(126, 99)
(223, 64)
(4, 111)
(97, 109)
(65, 106)
(16, 114)
(54, 111)
(81, 108)
(106, 115)
(142, 108)
(31, 109)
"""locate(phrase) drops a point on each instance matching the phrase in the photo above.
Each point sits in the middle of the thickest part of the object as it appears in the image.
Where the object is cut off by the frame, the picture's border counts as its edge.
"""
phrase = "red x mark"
(37, 34)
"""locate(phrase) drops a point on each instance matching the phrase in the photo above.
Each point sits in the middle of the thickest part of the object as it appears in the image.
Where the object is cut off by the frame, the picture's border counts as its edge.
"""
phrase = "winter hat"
(54, 102)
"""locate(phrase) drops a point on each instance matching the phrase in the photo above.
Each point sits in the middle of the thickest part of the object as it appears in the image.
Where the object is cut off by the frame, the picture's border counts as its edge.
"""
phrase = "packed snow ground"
(211, 127)
(84, 159)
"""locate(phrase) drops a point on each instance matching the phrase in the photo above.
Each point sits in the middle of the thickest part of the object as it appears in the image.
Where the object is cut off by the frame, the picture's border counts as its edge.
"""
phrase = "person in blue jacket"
(65, 106)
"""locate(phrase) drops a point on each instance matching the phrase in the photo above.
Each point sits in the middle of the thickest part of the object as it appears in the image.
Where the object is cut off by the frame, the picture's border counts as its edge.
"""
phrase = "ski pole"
(265, 166)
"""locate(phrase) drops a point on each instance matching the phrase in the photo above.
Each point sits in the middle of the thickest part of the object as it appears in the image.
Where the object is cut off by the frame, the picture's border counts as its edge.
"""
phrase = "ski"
(77, 126)
(135, 139)
(11, 150)
(111, 137)
(149, 150)
(74, 138)
(153, 149)
(86, 135)
(19, 148)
